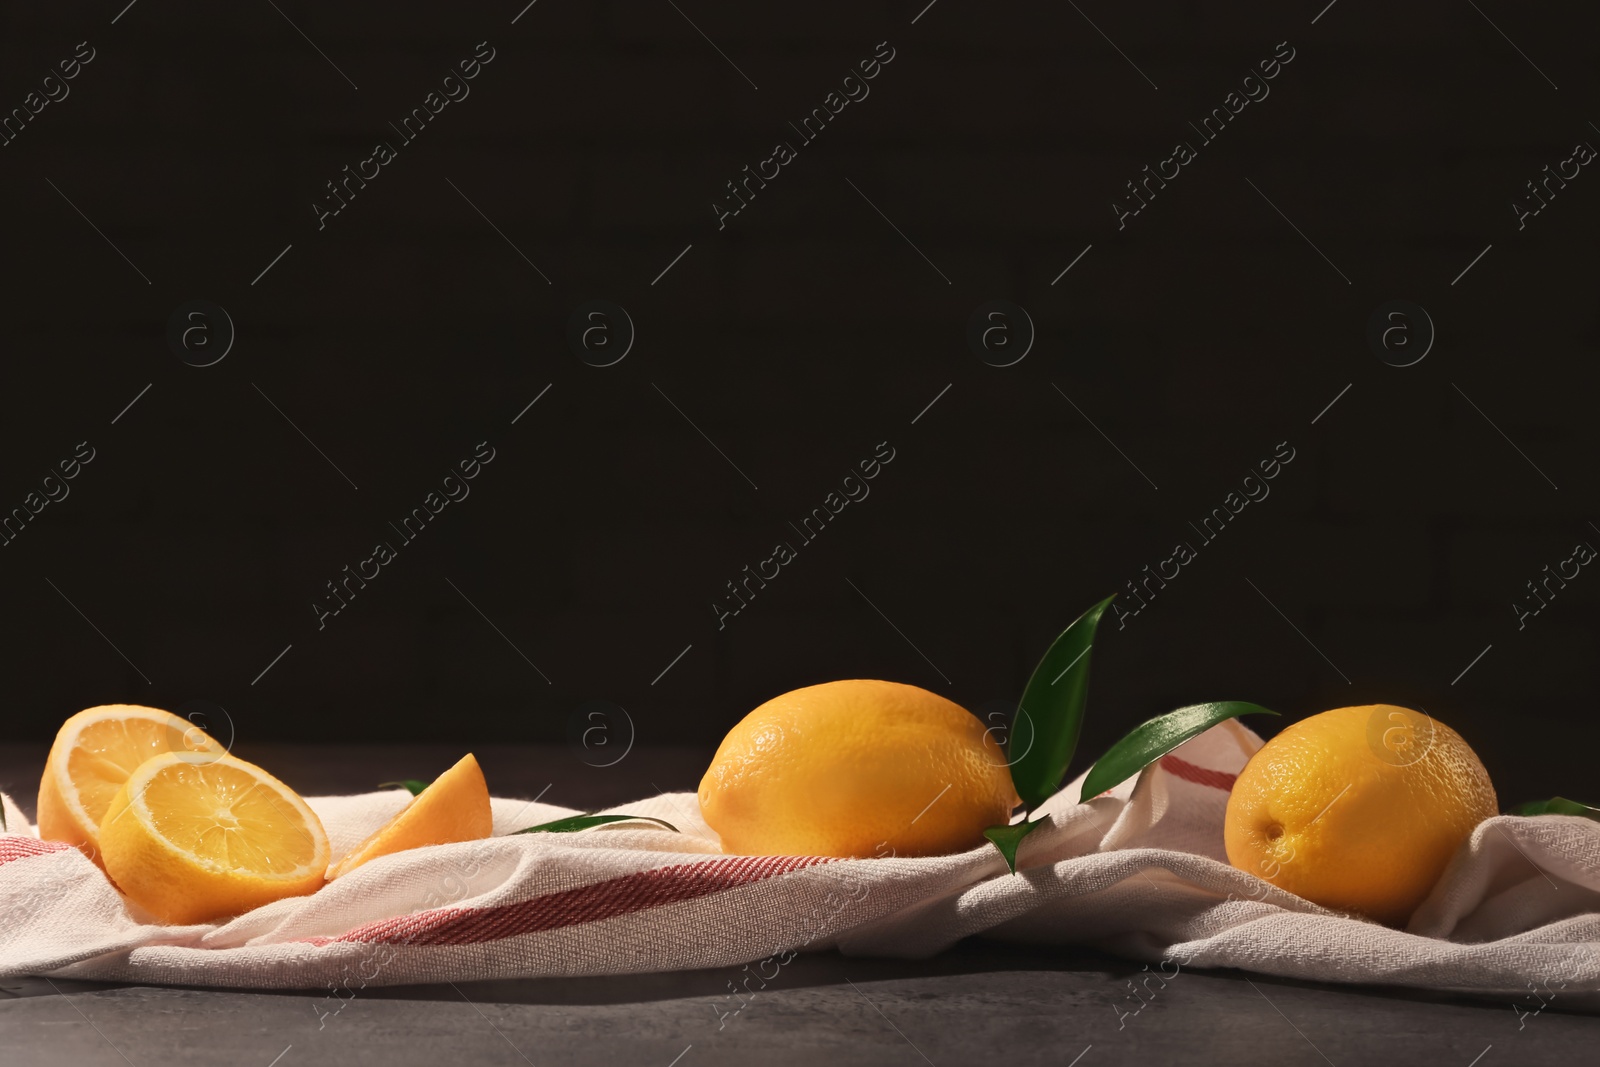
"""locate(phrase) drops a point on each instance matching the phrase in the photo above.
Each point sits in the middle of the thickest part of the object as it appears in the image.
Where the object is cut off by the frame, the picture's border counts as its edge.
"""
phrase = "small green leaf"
(414, 785)
(1556, 806)
(1007, 838)
(583, 822)
(1154, 738)
(1053, 704)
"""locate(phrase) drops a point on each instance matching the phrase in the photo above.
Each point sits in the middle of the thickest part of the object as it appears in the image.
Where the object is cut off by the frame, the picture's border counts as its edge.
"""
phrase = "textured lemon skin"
(63, 820)
(179, 888)
(856, 768)
(454, 807)
(1358, 809)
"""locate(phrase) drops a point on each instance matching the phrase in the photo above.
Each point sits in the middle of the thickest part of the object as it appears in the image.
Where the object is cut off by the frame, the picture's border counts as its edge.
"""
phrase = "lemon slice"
(454, 808)
(194, 837)
(93, 754)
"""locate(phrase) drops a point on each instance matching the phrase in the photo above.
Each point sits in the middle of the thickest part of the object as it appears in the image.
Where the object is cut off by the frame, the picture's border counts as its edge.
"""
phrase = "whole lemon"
(1358, 809)
(856, 768)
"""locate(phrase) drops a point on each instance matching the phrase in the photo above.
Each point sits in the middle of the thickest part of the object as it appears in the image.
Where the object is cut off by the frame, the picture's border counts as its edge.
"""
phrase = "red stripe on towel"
(16, 847)
(1198, 775)
(572, 907)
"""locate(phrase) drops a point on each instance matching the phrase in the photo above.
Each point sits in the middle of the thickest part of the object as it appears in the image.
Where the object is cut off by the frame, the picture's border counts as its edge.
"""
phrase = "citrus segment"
(194, 837)
(455, 807)
(94, 753)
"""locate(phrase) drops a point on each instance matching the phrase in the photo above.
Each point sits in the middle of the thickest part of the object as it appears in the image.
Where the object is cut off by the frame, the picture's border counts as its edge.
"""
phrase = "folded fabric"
(1139, 871)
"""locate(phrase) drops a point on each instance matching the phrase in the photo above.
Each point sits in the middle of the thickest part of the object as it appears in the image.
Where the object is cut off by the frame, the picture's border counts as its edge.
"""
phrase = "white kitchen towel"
(1139, 872)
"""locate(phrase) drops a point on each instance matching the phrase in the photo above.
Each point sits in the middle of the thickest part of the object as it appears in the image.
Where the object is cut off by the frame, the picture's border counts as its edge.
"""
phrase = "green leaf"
(1053, 705)
(1007, 838)
(1154, 738)
(583, 822)
(1556, 806)
(413, 784)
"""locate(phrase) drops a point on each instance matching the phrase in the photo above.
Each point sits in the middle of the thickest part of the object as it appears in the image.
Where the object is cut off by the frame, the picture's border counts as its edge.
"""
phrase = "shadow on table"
(804, 971)
(810, 970)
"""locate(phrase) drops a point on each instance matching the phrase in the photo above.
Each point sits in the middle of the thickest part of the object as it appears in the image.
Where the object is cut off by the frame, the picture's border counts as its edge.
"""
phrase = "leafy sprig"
(1050, 717)
(1156, 737)
(1556, 806)
(572, 823)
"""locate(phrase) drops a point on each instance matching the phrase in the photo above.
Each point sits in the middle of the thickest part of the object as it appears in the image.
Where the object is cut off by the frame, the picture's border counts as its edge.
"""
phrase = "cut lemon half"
(94, 752)
(454, 808)
(194, 837)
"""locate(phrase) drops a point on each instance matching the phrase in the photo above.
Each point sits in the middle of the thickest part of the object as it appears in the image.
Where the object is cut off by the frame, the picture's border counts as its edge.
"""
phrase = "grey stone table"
(982, 1002)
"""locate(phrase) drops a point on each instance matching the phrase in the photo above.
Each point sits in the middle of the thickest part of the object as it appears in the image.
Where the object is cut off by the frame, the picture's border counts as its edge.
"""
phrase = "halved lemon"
(194, 837)
(454, 808)
(93, 754)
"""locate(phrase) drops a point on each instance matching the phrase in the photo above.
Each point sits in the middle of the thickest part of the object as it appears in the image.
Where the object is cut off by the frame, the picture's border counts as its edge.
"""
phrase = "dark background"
(1208, 330)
